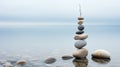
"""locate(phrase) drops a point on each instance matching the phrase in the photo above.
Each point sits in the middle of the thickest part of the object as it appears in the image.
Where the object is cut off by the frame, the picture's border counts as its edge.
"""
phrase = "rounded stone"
(80, 53)
(66, 57)
(50, 60)
(7, 64)
(81, 37)
(80, 32)
(80, 22)
(81, 27)
(21, 62)
(80, 18)
(80, 44)
(3, 62)
(101, 54)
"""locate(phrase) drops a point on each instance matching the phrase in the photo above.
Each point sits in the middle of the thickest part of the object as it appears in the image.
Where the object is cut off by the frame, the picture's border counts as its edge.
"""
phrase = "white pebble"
(7, 64)
(101, 54)
(21, 62)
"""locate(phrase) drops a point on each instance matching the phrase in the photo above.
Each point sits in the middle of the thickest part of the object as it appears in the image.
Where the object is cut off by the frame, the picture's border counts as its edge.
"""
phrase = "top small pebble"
(80, 18)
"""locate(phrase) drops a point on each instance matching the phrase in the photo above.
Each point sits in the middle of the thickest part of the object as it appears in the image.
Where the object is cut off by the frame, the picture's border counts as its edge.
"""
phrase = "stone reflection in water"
(101, 61)
(80, 62)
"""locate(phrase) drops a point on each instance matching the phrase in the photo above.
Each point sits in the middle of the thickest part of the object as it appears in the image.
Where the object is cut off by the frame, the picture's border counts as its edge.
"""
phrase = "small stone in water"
(50, 60)
(21, 62)
(81, 27)
(7, 64)
(13, 61)
(2, 62)
(80, 44)
(80, 32)
(66, 57)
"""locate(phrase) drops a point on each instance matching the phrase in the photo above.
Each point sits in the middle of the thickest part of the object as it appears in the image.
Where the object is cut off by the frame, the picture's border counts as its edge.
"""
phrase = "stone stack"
(80, 41)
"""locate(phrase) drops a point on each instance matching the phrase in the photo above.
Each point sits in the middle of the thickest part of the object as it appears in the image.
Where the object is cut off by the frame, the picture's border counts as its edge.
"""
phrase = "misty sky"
(59, 10)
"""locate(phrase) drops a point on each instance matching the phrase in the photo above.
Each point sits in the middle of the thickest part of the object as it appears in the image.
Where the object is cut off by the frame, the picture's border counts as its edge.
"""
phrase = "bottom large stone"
(80, 53)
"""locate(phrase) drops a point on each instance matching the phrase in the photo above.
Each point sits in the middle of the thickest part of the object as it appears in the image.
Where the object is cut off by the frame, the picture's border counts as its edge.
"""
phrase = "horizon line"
(37, 24)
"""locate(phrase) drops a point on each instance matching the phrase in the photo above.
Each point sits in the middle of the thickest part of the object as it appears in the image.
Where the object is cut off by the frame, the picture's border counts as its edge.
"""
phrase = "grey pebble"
(80, 44)
(81, 27)
(50, 60)
(67, 57)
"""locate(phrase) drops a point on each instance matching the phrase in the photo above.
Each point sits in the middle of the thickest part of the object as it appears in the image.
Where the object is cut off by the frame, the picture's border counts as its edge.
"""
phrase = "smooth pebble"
(7, 64)
(81, 27)
(80, 18)
(80, 44)
(67, 57)
(50, 60)
(80, 53)
(81, 37)
(80, 22)
(21, 62)
(100, 53)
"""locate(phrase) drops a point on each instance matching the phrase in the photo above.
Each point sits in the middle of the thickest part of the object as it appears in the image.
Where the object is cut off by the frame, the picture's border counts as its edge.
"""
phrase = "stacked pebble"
(80, 43)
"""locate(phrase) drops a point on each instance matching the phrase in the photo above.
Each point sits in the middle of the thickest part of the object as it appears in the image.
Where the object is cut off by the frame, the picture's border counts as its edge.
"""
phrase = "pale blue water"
(56, 41)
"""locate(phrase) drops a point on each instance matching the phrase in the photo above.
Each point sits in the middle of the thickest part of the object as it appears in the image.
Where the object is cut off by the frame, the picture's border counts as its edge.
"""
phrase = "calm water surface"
(39, 43)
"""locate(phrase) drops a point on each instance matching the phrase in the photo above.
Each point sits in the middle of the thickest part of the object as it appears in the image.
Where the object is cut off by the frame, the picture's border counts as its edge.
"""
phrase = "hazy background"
(67, 11)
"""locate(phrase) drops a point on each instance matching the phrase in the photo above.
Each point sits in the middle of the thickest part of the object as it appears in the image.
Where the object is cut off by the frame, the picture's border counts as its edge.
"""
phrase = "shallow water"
(38, 43)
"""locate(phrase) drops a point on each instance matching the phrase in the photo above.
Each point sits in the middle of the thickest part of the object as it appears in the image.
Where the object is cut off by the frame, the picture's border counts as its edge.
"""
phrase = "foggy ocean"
(38, 43)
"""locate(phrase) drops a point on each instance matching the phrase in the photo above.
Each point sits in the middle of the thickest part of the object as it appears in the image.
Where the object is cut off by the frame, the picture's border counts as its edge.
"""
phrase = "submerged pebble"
(66, 57)
(3, 62)
(21, 62)
(50, 60)
(7, 64)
